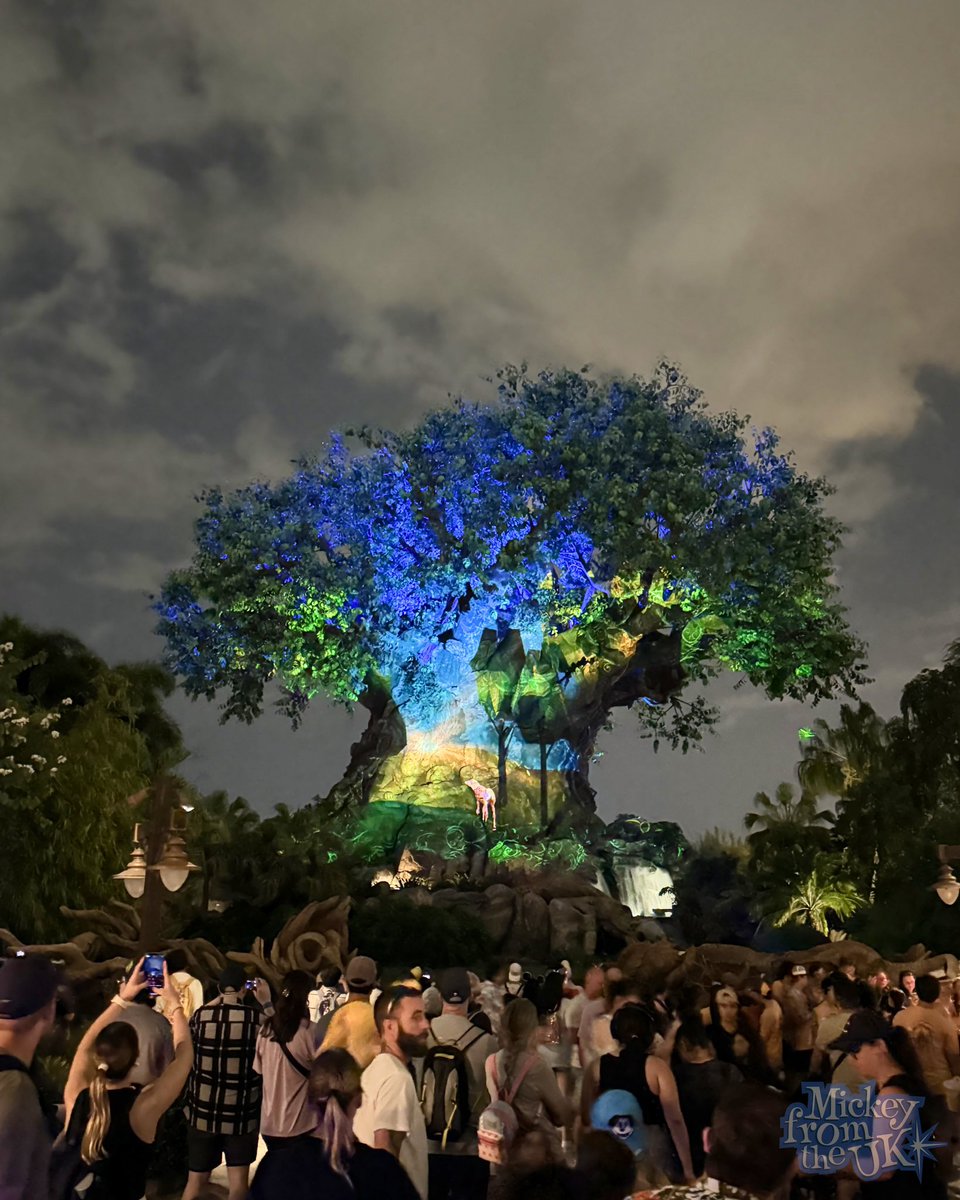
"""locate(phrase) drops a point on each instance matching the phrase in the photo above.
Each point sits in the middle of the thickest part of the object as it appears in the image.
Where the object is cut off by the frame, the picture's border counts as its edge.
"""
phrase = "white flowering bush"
(29, 754)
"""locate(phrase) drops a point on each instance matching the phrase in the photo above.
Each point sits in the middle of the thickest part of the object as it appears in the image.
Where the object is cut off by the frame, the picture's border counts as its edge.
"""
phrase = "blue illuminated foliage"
(592, 517)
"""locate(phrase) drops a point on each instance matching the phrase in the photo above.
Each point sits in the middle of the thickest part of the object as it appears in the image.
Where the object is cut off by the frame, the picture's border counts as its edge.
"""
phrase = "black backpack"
(70, 1177)
(445, 1092)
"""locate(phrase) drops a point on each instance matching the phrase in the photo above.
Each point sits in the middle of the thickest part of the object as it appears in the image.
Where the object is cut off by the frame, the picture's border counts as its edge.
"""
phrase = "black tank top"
(628, 1073)
(904, 1185)
(121, 1170)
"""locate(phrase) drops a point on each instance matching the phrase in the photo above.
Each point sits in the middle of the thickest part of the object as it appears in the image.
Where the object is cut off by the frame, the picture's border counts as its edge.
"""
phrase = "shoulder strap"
(295, 1063)
(521, 1076)
(473, 1041)
(9, 1062)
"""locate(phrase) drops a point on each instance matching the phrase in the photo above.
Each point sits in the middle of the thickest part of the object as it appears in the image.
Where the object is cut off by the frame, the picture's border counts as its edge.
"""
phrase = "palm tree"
(786, 814)
(719, 841)
(811, 901)
(217, 830)
(837, 762)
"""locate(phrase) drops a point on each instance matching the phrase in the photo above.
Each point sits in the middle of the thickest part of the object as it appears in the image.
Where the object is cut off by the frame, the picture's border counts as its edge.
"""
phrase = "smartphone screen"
(153, 970)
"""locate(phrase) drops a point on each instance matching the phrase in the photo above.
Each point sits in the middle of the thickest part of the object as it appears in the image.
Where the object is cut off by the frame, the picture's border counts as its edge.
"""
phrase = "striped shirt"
(223, 1092)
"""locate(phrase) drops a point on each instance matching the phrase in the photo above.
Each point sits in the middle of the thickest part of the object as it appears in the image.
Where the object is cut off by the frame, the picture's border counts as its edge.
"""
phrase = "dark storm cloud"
(226, 227)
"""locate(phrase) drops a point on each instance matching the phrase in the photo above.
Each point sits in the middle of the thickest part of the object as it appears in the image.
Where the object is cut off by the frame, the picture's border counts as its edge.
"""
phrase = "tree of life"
(492, 584)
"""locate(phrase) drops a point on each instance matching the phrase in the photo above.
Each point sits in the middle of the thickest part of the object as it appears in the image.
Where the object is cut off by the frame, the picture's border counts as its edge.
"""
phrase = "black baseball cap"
(863, 1026)
(454, 985)
(27, 985)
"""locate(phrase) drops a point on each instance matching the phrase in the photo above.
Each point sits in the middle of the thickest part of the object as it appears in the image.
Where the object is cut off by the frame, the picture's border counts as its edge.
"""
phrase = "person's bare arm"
(667, 1042)
(82, 1068)
(388, 1139)
(588, 1091)
(155, 1099)
(664, 1085)
(951, 1047)
(559, 1109)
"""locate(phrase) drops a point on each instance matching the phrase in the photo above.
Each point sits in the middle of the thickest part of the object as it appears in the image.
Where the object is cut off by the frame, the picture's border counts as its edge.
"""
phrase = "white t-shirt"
(390, 1102)
(592, 1011)
(571, 1018)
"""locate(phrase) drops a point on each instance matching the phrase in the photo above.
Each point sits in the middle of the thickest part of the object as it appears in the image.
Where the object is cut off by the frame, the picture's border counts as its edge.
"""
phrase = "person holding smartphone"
(112, 1118)
(224, 1091)
(154, 1033)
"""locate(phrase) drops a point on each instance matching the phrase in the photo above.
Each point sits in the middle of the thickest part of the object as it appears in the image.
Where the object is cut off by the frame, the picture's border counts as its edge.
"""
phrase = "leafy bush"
(396, 932)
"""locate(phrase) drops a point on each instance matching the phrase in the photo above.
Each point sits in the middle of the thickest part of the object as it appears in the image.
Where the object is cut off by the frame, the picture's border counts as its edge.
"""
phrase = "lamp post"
(159, 862)
(947, 886)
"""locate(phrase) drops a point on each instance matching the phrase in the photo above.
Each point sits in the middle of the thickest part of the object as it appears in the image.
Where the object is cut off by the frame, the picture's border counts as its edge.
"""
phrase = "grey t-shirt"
(24, 1140)
(155, 1039)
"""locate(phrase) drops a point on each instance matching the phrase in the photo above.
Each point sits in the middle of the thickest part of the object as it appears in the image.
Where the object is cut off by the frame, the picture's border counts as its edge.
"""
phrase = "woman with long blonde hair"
(329, 1163)
(113, 1120)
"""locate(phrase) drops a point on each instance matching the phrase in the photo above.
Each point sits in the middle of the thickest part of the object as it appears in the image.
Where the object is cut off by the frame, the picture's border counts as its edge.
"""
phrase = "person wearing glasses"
(390, 1117)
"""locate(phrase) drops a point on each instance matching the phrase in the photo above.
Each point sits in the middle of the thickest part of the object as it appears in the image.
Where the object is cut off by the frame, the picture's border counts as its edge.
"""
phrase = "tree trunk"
(384, 736)
(544, 806)
(503, 737)
(653, 671)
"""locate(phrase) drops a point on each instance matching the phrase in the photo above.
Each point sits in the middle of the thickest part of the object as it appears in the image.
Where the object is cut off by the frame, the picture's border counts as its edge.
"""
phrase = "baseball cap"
(454, 985)
(515, 974)
(798, 969)
(863, 1026)
(618, 1112)
(27, 985)
(361, 971)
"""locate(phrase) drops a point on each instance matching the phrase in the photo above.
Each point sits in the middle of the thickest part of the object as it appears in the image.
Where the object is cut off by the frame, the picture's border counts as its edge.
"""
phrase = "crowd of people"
(462, 1088)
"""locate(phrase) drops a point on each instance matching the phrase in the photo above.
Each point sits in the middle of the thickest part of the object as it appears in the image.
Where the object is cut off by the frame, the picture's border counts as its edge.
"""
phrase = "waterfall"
(601, 883)
(639, 886)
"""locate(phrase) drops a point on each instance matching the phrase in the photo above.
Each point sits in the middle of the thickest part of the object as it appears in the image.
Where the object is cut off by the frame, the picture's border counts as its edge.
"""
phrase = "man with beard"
(390, 1117)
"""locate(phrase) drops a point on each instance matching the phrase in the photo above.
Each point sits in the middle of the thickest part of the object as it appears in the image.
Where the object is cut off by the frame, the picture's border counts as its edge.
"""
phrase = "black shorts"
(205, 1150)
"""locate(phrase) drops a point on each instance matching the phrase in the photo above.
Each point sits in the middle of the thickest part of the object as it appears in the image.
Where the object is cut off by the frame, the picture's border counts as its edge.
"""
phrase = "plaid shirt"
(223, 1093)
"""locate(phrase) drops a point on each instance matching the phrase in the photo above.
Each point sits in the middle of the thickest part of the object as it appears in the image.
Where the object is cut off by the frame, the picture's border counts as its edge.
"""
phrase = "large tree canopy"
(502, 576)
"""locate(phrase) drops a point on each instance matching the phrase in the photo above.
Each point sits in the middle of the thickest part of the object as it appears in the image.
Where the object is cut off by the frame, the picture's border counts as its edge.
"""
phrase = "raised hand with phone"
(105, 1105)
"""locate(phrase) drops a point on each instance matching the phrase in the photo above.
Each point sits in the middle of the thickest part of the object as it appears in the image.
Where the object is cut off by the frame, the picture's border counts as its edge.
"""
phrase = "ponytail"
(98, 1123)
(336, 1131)
(333, 1086)
(116, 1050)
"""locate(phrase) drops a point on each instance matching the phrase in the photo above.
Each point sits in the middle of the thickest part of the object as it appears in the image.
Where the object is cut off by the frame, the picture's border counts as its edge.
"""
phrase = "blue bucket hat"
(618, 1113)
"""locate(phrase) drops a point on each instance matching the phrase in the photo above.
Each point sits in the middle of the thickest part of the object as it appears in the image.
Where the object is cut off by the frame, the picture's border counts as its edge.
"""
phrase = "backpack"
(70, 1177)
(445, 1092)
(67, 1168)
(499, 1124)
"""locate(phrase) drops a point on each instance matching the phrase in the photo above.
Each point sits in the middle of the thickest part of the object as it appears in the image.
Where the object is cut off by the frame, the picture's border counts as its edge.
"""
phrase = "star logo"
(920, 1145)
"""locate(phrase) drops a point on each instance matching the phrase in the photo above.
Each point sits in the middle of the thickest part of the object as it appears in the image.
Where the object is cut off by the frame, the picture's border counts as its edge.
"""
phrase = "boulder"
(613, 917)
(573, 929)
(497, 913)
(650, 963)
(473, 902)
(566, 885)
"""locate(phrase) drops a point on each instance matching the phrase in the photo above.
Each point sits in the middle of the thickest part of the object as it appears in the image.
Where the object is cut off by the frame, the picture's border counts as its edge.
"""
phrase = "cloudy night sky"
(227, 227)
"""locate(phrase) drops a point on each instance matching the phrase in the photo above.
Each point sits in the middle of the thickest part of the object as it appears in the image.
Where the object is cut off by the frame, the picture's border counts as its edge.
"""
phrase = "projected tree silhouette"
(492, 584)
